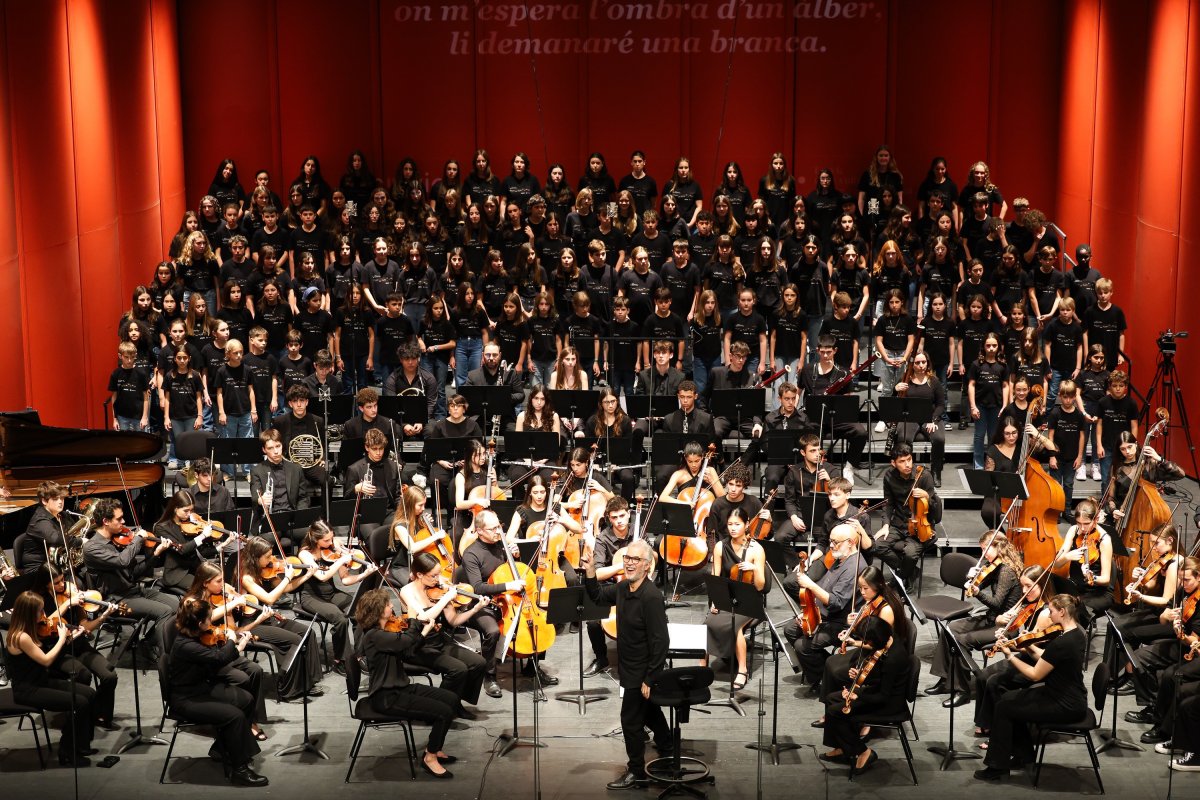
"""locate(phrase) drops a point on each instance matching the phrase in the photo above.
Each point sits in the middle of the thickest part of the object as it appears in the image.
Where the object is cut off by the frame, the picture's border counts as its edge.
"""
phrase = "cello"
(586, 505)
(1033, 522)
(526, 631)
(490, 489)
(1143, 510)
(690, 550)
(552, 538)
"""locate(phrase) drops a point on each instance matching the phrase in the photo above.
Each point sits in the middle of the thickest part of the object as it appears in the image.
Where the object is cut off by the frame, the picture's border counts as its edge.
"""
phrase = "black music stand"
(405, 409)
(574, 403)
(245, 452)
(780, 560)
(308, 744)
(341, 512)
(668, 446)
(831, 410)
(532, 446)
(456, 448)
(671, 519)
(485, 402)
(739, 404)
(350, 451)
(734, 597)
(1110, 738)
(639, 406)
(572, 605)
(996, 485)
(783, 447)
(959, 654)
(812, 511)
(904, 410)
(333, 408)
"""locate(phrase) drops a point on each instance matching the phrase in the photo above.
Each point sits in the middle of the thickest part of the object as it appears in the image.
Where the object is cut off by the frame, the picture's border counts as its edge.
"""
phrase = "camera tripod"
(1166, 376)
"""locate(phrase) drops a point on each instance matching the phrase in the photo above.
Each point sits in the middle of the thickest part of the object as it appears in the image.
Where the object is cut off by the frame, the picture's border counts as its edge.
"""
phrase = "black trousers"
(812, 651)
(229, 709)
(637, 713)
(154, 605)
(1187, 724)
(900, 552)
(973, 633)
(599, 643)
(430, 704)
(71, 697)
(244, 674)
(284, 638)
(994, 682)
(1175, 678)
(462, 670)
(488, 625)
(908, 432)
(1013, 713)
(331, 612)
(86, 664)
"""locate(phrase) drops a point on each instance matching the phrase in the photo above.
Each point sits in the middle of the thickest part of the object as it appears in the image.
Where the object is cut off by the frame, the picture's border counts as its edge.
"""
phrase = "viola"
(1159, 566)
(48, 626)
(1089, 553)
(396, 625)
(919, 526)
(463, 595)
(810, 612)
(277, 567)
(358, 559)
(1029, 639)
(860, 679)
(871, 609)
(981, 575)
(195, 526)
(218, 637)
(760, 528)
(253, 604)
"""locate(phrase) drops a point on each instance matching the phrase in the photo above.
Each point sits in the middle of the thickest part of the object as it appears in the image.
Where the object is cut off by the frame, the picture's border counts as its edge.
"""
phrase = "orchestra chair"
(18, 550)
(897, 721)
(191, 445)
(1079, 729)
(369, 718)
(680, 689)
(169, 713)
(11, 709)
(953, 571)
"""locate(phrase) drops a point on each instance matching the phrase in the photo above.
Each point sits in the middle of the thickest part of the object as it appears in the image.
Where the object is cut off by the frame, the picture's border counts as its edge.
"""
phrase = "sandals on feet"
(739, 682)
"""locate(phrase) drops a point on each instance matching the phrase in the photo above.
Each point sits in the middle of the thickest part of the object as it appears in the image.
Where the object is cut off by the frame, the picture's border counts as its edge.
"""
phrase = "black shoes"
(73, 760)
(491, 688)
(1143, 716)
(957, 699)
(628, 781)
(941, 687)
(467, 714)
(962, 426)
(595, 668)
(244, 776)
(545, 678)
(1154, 736)
(991, 774)
(441, 776)
(871, 759)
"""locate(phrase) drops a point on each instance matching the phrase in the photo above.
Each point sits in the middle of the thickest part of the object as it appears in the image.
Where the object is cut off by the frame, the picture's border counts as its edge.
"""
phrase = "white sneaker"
(1081, 473)
(1165, 749)
(1095, 471)
(880, 426)
(848, 472)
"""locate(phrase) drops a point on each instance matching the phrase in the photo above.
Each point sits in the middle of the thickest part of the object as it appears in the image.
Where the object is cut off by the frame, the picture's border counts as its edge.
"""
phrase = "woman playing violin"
(29, 662)
(79, 659)
(1151, 589)
(199, 693)
(743, 559)
(462, 670)
(1060, 697)
(996, 584)
(265, 580)
(390, 690)
(876, 685)
(1087, 552)
(230, 617)
(179, 564)
(878, 600)
(320, 595)
(1029, 614)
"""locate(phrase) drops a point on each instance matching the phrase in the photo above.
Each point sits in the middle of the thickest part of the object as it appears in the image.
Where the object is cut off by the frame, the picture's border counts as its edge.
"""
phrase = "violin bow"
(128, 497)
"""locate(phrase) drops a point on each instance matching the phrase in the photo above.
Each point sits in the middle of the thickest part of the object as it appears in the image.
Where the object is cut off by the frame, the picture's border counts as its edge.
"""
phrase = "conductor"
(641, 654)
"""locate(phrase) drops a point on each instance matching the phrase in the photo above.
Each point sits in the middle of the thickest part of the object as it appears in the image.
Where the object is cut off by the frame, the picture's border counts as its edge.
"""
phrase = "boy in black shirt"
(1066, 427)
(1063, 343)
(264, 376)
(295, 366)
(1104, 324)
(1046, 287)
(657, 245)
(583, 331)
(236, 409)
(1118, 413)
(845, 331)
(130, 388)
(392, 330)
(309, 238)
(662, 325)
(271, 234)
(703, 243)
(895, 546)
(624, 352)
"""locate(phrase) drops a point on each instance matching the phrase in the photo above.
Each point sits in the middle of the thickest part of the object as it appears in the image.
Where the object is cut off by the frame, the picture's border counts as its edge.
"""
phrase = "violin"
(860, 679)
(196, 525)
(358, 559)
(396, 625)
(254, 605)
(1185, 613)
(463, 596)
(866, 509)
(981, 575)
(48, 626)
(1147, 577)
(278, 566)
(1089, 553)
(760, 528)
(218, 637)
(919, 526)
(870, 610)
(126, 535)
(1028, 639)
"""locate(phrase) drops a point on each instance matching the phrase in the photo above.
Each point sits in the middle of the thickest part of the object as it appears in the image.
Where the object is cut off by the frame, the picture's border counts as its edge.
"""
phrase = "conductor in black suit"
(642, 643)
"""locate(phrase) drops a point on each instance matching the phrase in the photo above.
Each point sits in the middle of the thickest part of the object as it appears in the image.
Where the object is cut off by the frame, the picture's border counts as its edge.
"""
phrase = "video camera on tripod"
(1166, 341)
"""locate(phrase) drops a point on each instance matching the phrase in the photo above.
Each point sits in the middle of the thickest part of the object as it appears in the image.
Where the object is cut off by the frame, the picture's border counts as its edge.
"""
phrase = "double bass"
(1033, 522)
(1143, 510)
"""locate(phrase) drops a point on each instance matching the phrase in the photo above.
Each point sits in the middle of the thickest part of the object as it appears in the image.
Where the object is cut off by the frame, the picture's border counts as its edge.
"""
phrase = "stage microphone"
(74, 513)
